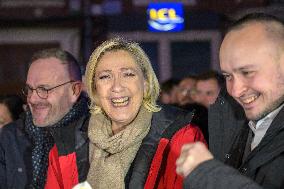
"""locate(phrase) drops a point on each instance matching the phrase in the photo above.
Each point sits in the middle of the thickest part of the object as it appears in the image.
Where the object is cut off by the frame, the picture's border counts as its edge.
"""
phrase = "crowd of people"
(194, 93)
(202, 89)
(119, 129)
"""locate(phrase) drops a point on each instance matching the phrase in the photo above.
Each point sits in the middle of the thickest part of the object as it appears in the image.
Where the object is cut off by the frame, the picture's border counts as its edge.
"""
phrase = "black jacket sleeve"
(213, 174)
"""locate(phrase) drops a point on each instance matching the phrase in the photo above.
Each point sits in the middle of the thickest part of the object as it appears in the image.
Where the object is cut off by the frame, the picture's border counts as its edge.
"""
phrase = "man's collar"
(268, 118)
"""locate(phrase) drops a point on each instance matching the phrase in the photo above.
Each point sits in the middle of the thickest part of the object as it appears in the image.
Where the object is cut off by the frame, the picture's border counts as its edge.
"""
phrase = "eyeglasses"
(41, 91)
(185, 91)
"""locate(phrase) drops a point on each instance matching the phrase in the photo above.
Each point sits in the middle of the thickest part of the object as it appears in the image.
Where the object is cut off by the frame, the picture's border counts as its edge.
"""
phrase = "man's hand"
(191, 156)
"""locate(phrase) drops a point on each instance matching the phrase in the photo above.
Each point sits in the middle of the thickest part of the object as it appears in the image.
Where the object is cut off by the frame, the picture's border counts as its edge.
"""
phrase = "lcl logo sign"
(165, 17)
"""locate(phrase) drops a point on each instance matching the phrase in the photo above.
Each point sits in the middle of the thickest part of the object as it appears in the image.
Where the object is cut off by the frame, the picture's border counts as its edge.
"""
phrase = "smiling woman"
(128, 131)
(120, 87)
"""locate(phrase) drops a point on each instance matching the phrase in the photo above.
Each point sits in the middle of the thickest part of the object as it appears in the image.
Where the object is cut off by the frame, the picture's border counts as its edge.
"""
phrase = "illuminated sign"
(166, 17)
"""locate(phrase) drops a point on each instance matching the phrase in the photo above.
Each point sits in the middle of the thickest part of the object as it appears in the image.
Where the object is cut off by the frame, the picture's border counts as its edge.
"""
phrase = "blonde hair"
(141, 59)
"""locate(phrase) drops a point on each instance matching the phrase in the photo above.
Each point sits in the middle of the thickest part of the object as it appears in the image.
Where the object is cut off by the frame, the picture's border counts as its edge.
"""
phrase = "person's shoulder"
(83, 122)
(171, 111)
(177, 119)
(12, 129)
(166, 117)
(227, 105)
(224, 99)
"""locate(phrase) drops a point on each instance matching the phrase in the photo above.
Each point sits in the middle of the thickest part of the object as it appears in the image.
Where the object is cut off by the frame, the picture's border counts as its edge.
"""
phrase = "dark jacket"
(200, 117)
(169, 127)
(16, 149)
(262, 168)
(226, 118)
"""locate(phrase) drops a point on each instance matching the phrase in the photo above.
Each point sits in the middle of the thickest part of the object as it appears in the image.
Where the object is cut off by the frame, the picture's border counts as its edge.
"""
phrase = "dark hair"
(65, 57)
(168, 85)
(14, 103)
(190, 76)
(274, 26)
(254, 17)
(211, 75)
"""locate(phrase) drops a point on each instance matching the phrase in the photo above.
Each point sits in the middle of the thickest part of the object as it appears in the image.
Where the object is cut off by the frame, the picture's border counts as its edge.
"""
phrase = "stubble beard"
(55, 114)
(268, 109)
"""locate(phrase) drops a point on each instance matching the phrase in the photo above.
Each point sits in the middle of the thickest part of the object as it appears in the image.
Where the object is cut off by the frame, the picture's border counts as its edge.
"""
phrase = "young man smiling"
(49, 147)
(252, 61)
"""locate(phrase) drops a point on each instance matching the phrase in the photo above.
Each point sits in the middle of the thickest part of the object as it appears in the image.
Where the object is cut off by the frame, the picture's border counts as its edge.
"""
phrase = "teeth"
(249, 100)
(120, 101)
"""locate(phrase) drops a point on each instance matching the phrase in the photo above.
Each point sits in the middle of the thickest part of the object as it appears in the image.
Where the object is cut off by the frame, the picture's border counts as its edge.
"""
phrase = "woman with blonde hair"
(134, 143)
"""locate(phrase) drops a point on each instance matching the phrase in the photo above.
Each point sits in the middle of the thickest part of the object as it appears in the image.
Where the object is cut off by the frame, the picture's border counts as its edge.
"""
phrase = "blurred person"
(187, 100)
(207, 88)
(252, 61)
(186, 87)
(169, 90)
(134, 142)
(48, 147)
(11, 106)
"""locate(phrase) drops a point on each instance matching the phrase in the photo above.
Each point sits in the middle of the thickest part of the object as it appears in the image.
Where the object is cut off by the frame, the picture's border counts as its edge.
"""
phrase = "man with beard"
(48, 148)
(252, 61)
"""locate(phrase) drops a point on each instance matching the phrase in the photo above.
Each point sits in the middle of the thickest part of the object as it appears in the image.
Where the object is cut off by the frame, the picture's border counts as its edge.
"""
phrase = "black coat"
(226, 118)
(16, 149)
(262, 168)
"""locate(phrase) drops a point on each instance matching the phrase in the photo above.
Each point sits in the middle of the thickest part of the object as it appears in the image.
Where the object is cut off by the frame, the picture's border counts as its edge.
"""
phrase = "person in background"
(186, 100)
(48, 147)
(207, 88)
(252, 61)
(11, 107)
(134, 142)
(169, 90)
(186, 87)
